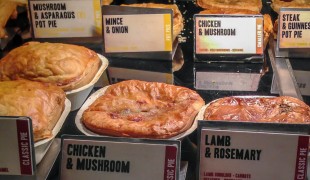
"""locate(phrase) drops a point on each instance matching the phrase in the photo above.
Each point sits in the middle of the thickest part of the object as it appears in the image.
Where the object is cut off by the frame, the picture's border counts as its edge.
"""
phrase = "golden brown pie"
(252, 5)
(277, 4)
(7, 8)
(177, 16)
(42, 102)
(106, 2)
(268, 27)
(283, 109)
(143, 109)
(65, 65)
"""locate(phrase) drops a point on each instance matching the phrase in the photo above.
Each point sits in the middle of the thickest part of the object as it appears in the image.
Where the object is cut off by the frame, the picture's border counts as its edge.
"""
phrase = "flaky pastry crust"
(7, 8)
(268, 25)
(143, 109)
(252, 5)
(65, 65)
(177, 16)
(281, 109)
(277, 4)
(43, 103)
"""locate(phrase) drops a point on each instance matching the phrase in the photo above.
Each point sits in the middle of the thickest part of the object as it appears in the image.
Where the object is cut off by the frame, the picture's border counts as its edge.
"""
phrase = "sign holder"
(141, 44)
(210, 33)
(233, 134)
(124, 158)
(64, 21)
(17, 158)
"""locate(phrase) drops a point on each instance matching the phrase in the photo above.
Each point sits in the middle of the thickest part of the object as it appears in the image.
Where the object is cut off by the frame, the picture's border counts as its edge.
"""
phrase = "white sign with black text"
(240, 155)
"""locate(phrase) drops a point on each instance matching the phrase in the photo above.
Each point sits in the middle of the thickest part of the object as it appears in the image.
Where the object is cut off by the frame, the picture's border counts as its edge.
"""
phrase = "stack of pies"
(143, 110)
(177, 16)
(268, 27)
(43, 103)
(65, 65)
(281, 109)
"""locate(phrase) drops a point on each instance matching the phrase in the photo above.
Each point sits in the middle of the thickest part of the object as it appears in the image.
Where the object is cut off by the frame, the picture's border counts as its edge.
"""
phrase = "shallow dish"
(100, 92)
(42, 146)
(78, 96)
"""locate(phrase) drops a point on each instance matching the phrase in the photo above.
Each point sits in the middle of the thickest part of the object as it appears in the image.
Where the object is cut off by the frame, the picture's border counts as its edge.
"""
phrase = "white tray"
(42, 146)
(78, 96)
(100, 92)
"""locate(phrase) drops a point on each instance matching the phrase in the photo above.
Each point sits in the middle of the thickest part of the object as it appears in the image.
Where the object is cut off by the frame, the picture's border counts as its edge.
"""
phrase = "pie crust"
(252, 5)
(277, 4)
(7, 8)
(143, 110)
(177, 16)
(43, 103)
(65, 65)
(283, 109)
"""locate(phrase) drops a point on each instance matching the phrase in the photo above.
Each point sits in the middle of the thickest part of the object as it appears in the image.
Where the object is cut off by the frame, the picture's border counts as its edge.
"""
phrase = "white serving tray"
(100, 92)
(42, 146)
(78, 96)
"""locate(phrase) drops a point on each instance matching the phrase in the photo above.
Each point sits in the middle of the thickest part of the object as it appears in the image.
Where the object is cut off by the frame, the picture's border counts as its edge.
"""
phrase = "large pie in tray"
(143, 110)
(277, 4)
(43, 103)
(268, 25)
(177, 16)
(283, 109)
(65, 65)
(252, 5)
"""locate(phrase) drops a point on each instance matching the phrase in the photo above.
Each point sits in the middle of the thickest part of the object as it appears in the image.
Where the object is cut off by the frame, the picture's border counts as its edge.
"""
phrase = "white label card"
(238, 155)
(244, 34)
(64, 19)
(294, 28)
(137, 33)
(91, 159)
(16, 156)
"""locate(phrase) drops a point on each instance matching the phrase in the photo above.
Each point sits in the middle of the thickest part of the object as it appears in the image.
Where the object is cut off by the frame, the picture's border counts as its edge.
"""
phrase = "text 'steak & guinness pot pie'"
(177, 16)
(283, 109)
(65, 65)
(42, 102)
(143, 110)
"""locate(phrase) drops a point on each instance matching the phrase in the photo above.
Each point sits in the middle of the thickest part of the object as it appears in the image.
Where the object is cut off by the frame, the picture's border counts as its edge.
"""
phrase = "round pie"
(65, 65)
(143, 109)
(283, 109)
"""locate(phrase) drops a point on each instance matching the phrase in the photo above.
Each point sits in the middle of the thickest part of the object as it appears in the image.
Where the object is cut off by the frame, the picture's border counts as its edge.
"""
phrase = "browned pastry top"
(43, 103)
(65, 65)
(277, 4)
(252, 5)
(281, 109)
(177, 16)
(143, 109)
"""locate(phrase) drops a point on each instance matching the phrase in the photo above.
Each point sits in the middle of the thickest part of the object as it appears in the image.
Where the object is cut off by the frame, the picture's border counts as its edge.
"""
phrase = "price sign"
(213, 32)
(65, 18)
(250, 155)
(294, 28)
(119, 158)
(17, 152)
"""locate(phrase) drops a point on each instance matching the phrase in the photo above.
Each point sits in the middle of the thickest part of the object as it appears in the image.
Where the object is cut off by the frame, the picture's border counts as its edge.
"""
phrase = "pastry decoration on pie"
(177, 16)
(283, 109)
(251, 5)
(143, 110)
(42, 102)
(268, 27)
(65, 65)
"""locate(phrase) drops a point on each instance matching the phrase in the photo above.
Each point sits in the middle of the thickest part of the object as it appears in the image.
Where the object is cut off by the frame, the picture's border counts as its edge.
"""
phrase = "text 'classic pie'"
(65, 65)
(43, 103)
(281, 109)
(143, 109)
